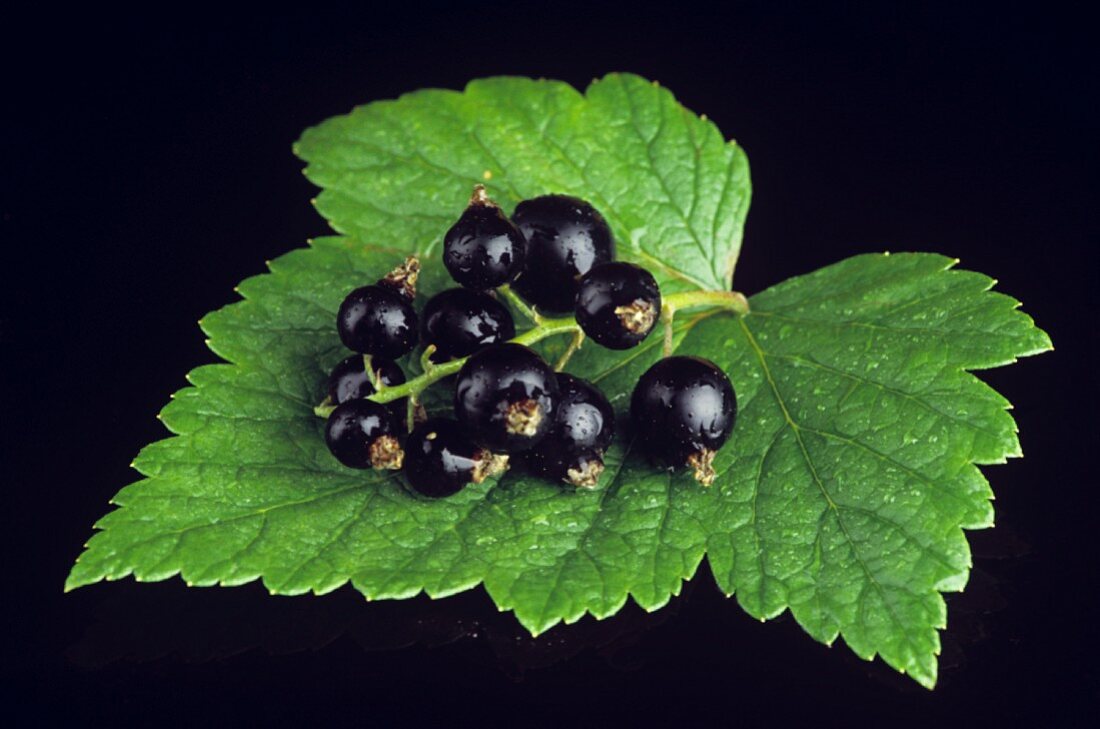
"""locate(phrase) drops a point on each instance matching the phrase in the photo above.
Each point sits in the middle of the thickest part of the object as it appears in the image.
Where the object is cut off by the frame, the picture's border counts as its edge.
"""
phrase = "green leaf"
(842, 495)
(853, 474)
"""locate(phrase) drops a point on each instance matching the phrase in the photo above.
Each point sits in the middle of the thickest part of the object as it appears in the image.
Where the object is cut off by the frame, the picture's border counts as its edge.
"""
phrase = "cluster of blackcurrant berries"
(557, 253)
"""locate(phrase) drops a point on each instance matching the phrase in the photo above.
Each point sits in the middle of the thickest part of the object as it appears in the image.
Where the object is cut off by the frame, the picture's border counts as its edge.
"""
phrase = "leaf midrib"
(661, 178)
(795, 428)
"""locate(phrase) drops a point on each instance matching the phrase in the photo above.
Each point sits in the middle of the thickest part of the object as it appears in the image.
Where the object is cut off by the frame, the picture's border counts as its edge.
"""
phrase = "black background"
(147, 169)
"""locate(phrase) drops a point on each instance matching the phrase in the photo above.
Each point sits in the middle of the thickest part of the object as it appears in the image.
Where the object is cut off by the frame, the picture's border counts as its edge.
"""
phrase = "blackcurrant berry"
(377, 320)
(583, 428)
(565, 238)
(459, 322)
(506, 397)
(683, 409)
(584, 417)
(441, 459)
(618, 304)
(483, 249)
(557, 462)
(364, 434)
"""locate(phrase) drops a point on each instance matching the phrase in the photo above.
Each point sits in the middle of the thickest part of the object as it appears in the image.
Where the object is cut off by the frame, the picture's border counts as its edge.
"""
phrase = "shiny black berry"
(460, 321)
(583, 429)
(506, 397)
(618, 304)
(377, 320)
(565, 238)
(364, 434)
(440, 459)
(557, 462)
(683, 409)
(584, 417)
(483, 249)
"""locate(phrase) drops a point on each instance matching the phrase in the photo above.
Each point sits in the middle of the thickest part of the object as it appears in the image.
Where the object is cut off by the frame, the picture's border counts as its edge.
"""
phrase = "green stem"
(519, 304)
(426, 364)
(410, 414)
(578, 339)
(733, 301)
(666, 325)
(375, 378)
(547, 327)
(417, 385)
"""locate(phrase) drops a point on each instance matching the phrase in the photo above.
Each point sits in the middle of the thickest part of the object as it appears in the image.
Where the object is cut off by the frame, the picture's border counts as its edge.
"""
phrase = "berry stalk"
(506, 292)
(435, 372)
(733, 301)
(545, 327)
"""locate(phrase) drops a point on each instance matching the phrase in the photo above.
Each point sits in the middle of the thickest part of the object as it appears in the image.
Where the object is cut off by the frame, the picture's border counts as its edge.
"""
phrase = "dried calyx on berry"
(441, 459)
(566, 237)
(583, 428)
(683, 410)
(581, 468)
(618, 304)
(483, 249)
(365, 434)
(506, 396)
(403, 278)
(379, 320)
